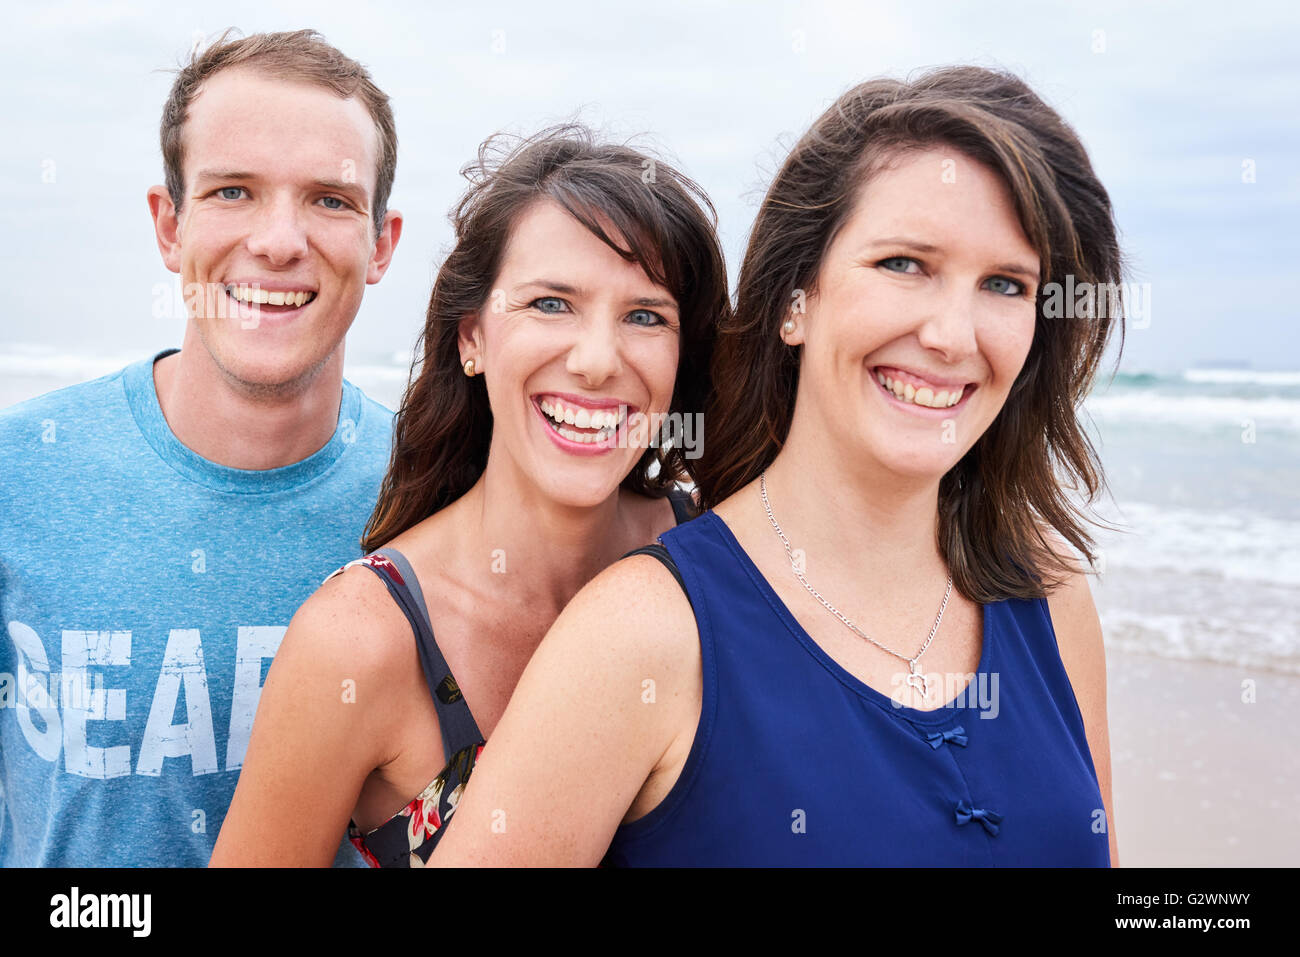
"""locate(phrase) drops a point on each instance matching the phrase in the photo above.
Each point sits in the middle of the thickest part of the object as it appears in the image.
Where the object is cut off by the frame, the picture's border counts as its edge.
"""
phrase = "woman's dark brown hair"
(444, 426)
(994, 504)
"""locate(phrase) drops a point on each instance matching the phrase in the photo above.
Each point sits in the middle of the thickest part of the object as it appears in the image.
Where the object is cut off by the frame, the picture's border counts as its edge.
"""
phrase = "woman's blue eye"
(225, 192)
(549, 304)
(897, 263)
(648, 318)
(1005, 287)
(337, 203)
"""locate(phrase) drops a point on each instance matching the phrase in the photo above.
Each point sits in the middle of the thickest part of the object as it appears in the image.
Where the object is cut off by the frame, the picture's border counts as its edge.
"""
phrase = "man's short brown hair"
(301, 55)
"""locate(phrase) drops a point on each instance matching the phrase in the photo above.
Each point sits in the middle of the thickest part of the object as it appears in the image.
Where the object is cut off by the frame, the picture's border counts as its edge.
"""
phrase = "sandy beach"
(1202, 778)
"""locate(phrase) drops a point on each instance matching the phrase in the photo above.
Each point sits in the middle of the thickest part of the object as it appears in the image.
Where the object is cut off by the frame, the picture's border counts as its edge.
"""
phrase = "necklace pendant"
(918, 681)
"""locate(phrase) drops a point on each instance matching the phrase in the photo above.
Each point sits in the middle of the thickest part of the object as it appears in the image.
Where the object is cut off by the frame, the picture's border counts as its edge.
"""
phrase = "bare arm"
(1078, 635)
(579, 740)
(320, 729)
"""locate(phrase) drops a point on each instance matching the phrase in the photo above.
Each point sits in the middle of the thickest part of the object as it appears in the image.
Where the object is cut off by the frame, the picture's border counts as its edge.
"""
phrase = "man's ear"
(166, 227)
(385, 243)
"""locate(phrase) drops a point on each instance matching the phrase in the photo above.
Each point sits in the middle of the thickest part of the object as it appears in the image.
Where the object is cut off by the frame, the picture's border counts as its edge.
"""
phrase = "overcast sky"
(1170, 98)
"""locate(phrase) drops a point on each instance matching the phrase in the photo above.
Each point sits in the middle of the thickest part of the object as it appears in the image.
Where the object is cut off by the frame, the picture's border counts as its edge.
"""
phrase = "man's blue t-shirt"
(143, 592)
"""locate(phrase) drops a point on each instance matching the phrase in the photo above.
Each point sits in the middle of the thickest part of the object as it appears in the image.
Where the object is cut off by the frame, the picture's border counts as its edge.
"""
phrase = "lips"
(581, 425)
(273, 299)
(580, 415)
(917, 391)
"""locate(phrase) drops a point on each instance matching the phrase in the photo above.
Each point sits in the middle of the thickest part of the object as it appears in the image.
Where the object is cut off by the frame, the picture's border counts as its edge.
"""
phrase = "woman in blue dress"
(876, 646)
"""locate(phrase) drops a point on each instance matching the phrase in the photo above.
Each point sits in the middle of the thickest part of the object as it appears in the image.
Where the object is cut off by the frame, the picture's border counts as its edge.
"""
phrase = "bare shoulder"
(350, 624)
(1073, 614)
(325, 720)
(1083, 654)
(1071, 559)
(348, 644)
(637, 613)
(1070, 599)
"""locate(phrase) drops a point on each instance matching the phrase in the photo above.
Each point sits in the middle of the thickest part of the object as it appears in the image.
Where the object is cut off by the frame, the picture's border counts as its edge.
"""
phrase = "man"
(161, 525)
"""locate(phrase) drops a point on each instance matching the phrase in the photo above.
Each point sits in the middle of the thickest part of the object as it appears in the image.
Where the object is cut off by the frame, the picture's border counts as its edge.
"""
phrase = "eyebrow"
(1016, 269)
(568, 290)
(337, 186)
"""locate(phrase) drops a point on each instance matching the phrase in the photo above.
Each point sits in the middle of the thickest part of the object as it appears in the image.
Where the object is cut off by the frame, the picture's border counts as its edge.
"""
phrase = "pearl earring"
(788, 327)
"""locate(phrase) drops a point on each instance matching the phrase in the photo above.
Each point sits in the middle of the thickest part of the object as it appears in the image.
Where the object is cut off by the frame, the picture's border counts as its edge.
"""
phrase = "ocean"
(1203, 467)
(1203, 470)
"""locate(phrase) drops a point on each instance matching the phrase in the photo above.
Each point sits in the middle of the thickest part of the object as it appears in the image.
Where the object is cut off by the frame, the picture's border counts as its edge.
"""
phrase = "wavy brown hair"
(444, 426)
(994, 504)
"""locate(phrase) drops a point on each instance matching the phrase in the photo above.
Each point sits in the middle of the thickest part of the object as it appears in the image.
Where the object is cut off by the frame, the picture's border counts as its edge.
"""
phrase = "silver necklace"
(915, 679)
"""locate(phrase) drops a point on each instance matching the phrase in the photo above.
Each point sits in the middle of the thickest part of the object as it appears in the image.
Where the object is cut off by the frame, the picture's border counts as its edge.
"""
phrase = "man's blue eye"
(644, 317)
(338, 203)
(226, 192)
(1004, 286)
(548, 304)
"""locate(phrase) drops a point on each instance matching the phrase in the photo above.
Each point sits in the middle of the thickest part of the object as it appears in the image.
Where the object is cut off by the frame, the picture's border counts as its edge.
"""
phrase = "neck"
(883, 523)
(544, 551)
(244, 426)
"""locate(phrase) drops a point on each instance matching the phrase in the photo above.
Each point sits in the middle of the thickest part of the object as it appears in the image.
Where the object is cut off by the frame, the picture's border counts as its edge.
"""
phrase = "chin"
(921, 463)
(582, 496)
(581, 488)
(273, 368)
(923, 471)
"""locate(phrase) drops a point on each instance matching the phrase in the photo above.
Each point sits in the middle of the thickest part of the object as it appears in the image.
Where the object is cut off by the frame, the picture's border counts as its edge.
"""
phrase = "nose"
(597, 354)
(949, 329)
(276, 233)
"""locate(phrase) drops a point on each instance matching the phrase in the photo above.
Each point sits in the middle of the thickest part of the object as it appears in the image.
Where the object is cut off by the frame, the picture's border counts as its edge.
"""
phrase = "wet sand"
(1201, 777)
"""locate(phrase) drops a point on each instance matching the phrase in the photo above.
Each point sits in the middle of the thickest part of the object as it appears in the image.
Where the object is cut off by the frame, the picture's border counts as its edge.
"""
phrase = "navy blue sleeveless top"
(797, 762)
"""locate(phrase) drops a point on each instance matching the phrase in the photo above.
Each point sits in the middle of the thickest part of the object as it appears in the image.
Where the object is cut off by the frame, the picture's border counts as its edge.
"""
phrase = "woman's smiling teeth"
(924, 395)
(264, 297)
(603, 422)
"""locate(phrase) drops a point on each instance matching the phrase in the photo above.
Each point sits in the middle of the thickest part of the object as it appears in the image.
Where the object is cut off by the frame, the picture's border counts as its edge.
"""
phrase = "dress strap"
(683, 505)
(459, 729)
(684, 510)
(660, 552)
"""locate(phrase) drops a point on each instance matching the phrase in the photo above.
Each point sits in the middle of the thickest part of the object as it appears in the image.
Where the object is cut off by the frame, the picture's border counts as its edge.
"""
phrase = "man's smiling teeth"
(605, 421)
(264, 297)
(922, 396)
